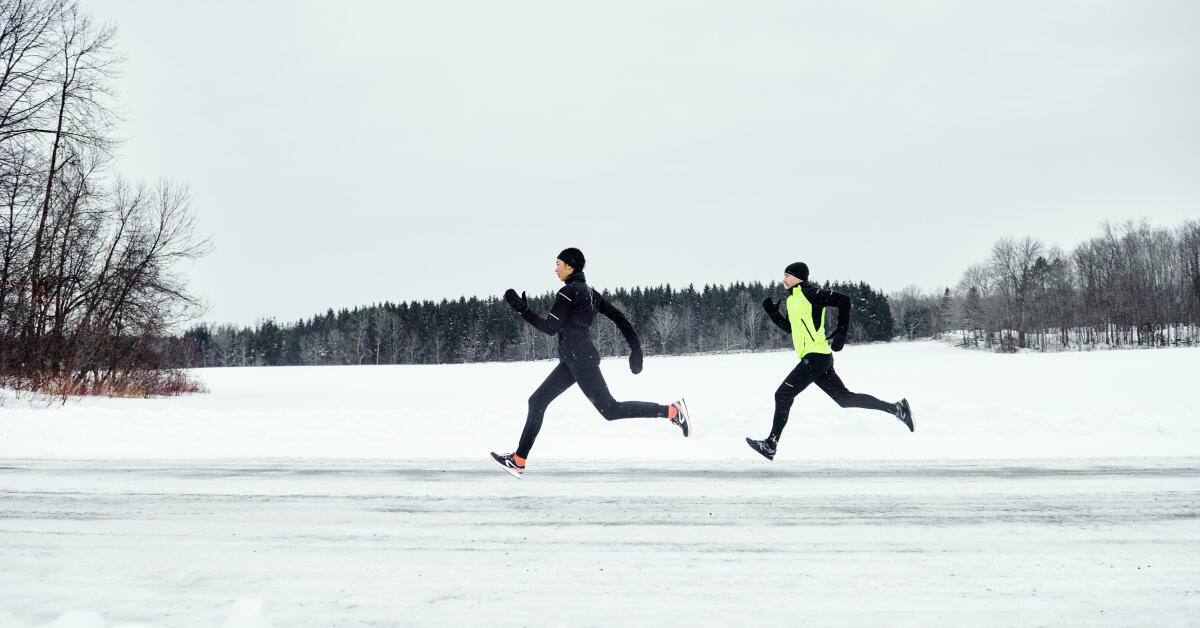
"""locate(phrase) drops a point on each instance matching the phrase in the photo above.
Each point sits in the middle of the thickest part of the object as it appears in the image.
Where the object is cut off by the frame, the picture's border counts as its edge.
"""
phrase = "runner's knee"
(538, 402)
(608, 410)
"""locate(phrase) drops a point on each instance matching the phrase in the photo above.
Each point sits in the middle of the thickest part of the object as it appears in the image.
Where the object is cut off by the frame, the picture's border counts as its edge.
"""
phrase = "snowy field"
(1038, 489)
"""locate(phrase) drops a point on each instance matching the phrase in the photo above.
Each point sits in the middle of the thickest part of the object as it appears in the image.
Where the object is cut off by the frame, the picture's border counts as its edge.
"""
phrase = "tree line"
(88, 280)
(1132, 285)
(668, 321)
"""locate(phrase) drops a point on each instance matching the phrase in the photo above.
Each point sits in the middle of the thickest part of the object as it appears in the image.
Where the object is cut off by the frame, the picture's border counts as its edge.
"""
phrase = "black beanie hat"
(572, 257)
(799, 270)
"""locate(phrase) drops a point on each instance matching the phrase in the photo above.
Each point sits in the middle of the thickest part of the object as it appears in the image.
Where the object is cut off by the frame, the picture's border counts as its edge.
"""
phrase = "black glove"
(770, 306)
(517, 303)
(837, 340)
(635, 361)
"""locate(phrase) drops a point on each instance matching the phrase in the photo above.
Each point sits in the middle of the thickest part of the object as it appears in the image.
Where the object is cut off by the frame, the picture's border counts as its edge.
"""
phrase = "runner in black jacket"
(805, 322)
(575, 308)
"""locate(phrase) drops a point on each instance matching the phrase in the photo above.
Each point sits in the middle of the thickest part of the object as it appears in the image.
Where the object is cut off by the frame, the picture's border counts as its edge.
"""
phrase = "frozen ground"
(1037, 490)
(372, 543)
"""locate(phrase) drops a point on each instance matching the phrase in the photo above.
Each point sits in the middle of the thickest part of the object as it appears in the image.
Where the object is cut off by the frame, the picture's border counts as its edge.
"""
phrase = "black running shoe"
(904, 413)
(765, 447)
(508, 463)
(681, 417)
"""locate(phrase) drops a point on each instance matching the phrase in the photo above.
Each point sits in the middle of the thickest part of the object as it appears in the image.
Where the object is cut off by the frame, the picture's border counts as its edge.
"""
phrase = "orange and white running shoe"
(678, 414)
(509, 462)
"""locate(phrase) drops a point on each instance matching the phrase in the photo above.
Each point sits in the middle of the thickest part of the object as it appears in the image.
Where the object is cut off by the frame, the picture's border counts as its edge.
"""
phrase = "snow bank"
(967, 405)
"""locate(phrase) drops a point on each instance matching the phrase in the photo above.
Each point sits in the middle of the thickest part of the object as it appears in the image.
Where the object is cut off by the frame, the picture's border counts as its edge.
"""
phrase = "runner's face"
(789, 281)
(562, 270)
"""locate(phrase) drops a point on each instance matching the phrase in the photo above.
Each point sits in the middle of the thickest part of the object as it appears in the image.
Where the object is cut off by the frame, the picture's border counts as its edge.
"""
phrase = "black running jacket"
(571, 316)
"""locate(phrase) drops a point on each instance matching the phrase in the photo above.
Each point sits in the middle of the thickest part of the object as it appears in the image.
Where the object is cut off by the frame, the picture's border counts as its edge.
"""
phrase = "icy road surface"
(330, 543)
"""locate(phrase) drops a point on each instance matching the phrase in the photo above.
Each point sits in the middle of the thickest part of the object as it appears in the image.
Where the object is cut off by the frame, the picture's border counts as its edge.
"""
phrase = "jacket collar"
(575, 277)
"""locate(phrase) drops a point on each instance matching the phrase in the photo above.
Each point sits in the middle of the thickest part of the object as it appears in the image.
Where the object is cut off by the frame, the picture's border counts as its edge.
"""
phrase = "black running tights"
(818, 368)
(591, 381)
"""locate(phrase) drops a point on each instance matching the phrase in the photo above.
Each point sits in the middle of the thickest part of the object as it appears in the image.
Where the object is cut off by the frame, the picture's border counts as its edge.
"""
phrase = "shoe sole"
(750, 442)
(512, 472)
(909, 423)
(687, 418)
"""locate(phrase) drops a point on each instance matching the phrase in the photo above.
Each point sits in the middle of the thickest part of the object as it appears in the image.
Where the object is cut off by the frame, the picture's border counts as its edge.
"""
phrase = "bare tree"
(1189, 254)
(88, 263)
(729, 336)
(412, 346)
(29, 44)
(19, 173)
(381, 321)
(608, 337)
(748, 314)
(1133, 284)
(396, 335)
(913, 311)
(83, 64)
(359, 338)
(664, 321)
(1012, 264)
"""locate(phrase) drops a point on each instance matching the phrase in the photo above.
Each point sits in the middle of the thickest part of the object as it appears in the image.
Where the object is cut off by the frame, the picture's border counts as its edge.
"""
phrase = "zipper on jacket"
(810, 336)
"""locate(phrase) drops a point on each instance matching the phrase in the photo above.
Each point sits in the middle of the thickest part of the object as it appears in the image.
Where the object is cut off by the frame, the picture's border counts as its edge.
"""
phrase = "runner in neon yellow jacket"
(805, 321)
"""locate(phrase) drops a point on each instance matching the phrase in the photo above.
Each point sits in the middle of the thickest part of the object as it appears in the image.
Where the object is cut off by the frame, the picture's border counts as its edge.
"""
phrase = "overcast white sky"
(345, 153)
